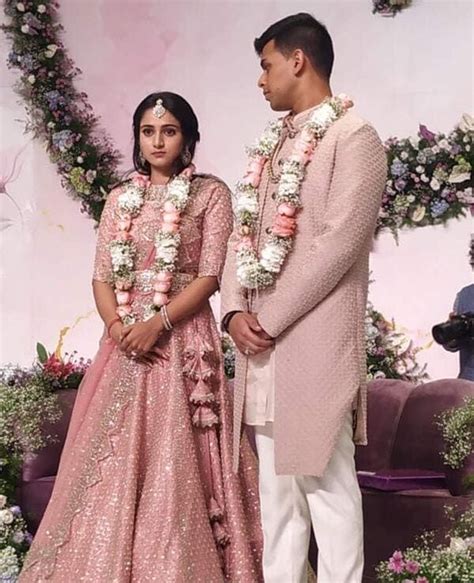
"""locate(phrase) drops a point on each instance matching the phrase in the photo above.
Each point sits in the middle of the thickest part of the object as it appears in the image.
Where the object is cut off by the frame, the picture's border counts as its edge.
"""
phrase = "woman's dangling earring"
(141, 158)
(186, 156)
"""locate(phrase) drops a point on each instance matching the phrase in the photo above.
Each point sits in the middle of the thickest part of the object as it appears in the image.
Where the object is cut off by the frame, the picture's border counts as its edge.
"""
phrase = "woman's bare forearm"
(105, 301)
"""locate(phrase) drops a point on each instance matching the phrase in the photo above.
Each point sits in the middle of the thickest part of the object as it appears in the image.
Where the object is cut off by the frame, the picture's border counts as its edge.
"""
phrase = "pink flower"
(57, 368)
(124, 224)
(244, 243)
(281, 231)
(123, 297)
(252, 179)
(412, 567)
(346, 100)
(422, 580)
(160, 299)
(169, 207)
(164, 276)
(171, 217)
(284, 226)
(286, 209)
(162, 286)
(396, 562)
(124, 236)
(169, 227)
(255, 165)
(123, 311)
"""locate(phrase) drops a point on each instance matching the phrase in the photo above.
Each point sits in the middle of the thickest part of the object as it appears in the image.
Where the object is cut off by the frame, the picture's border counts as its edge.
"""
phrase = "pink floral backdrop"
(400, 72)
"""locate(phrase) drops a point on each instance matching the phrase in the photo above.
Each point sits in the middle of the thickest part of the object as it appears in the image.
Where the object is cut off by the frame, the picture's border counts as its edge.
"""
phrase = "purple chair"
(39, 469)
(408, 492)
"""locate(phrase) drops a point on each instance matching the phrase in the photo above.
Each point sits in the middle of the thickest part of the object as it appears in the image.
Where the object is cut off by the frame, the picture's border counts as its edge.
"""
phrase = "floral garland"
(57, 112)
(167, 242)
(389, 7)
(253, 272)
(429, 178)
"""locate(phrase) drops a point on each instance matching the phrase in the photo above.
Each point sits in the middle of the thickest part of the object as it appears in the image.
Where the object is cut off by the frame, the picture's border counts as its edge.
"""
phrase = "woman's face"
(161, 140)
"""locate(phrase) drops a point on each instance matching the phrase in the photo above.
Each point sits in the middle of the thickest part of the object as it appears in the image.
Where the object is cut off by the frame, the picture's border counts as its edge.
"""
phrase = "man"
(464, 304)
(294, 299)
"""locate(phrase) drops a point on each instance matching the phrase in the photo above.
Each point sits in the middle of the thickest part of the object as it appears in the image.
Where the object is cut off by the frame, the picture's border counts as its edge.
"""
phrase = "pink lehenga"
(145, 489)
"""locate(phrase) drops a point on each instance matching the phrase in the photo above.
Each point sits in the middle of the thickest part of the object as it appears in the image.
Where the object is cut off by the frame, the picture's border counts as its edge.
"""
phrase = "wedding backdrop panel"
(413, 69)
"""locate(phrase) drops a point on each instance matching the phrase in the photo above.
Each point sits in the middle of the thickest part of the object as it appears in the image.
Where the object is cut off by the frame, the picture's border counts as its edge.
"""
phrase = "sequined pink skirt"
(145, 490)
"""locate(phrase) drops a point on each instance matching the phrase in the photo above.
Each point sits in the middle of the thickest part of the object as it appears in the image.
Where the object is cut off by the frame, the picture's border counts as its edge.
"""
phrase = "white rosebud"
(403, 155)
(444, 144)
(50, 51)
(418, 214)
(434, 184)
(20, 7)
(31, 79)
(79, 159)
(411, 198)
(41, 9)
(25, 28)
(6, 516)
(467, 123)
(51, 125)
(3, 500)
(420, 169)
(424, 178)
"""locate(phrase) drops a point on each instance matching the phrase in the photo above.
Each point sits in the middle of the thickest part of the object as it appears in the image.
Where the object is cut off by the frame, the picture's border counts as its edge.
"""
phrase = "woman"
(145, 490)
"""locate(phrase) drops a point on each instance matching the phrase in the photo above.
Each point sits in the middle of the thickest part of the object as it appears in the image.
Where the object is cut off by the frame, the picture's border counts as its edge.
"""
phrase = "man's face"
(277, 79)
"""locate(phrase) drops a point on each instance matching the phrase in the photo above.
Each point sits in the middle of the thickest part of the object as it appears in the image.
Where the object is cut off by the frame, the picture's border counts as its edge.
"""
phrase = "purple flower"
(455, 149)
(18, 537)
(29, 63)
(400, 184)
(396, 562)
(438, 208)
(412, 567)
(398, 168)
(63, 140)
(54, 99)
(425, 133)
(28, 538)
(15, 510)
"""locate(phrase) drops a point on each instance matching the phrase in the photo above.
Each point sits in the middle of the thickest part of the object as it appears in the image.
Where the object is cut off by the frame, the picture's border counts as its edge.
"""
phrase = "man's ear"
(298, 58)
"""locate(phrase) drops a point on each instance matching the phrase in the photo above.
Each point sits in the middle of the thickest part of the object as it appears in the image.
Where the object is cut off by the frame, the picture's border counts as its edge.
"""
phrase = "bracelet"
(112, 322)
(227, 318)
(166, 320)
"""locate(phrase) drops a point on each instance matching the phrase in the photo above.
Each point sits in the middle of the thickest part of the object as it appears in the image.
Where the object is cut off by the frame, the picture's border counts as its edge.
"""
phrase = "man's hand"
(248, 335)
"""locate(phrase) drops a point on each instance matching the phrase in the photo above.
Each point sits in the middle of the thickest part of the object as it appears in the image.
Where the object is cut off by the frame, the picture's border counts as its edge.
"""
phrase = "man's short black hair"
(301, 31)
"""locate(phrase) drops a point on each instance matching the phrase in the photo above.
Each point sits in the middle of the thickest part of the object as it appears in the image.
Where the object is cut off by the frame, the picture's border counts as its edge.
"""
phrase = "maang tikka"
(159, 109)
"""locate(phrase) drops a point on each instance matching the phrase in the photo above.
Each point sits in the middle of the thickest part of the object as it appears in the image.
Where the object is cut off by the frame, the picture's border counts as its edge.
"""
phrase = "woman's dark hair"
(301, 31)
(181, 110)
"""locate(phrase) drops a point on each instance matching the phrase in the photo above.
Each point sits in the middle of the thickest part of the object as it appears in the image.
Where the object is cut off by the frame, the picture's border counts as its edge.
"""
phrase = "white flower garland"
(254, 272)
(167, 242)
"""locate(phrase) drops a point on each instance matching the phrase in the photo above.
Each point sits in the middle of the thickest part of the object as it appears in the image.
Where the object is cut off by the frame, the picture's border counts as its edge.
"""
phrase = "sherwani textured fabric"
(316, 308)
